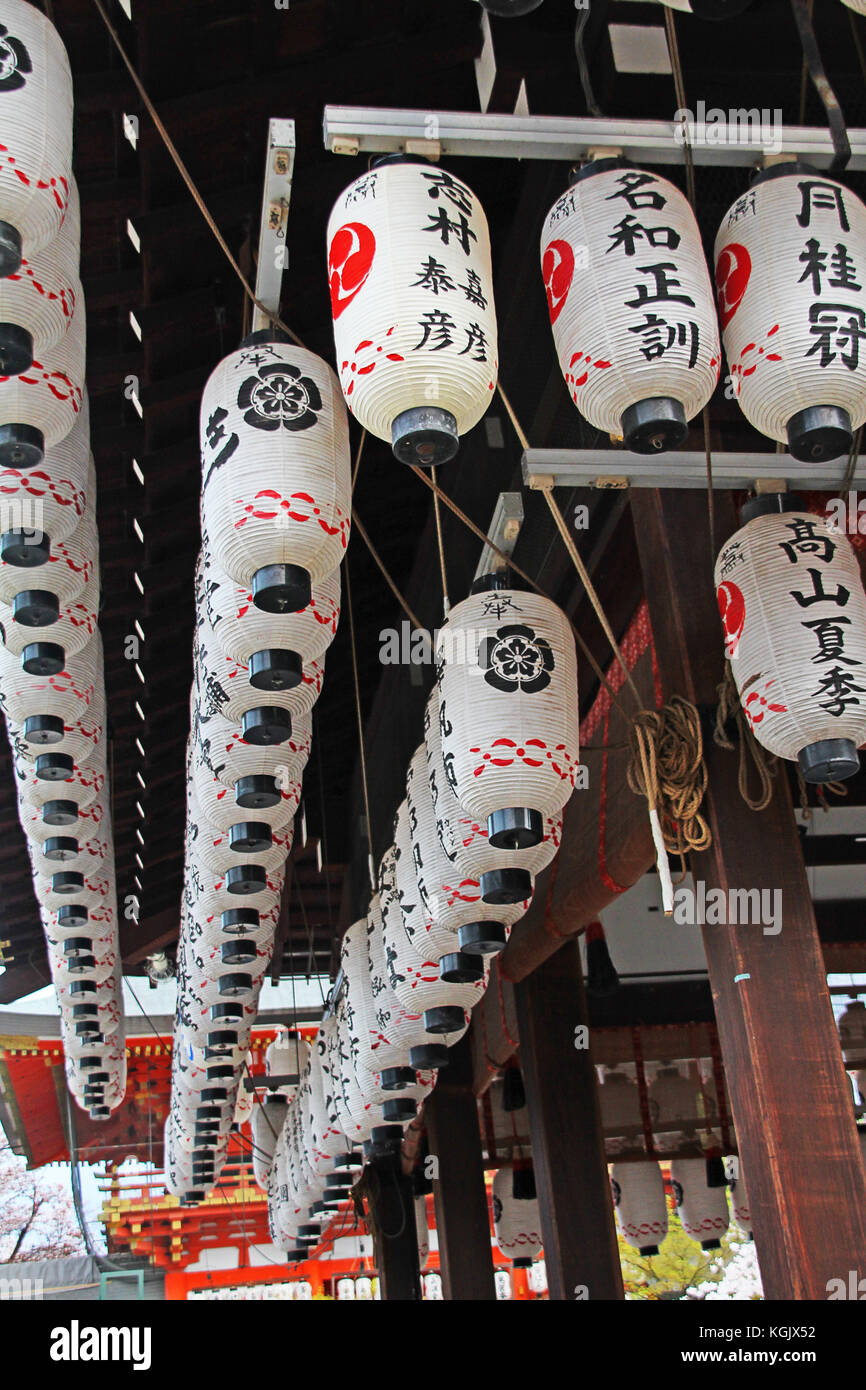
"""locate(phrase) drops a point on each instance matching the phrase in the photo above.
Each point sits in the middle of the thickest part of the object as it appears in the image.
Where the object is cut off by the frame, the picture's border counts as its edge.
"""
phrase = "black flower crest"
(279, 395)
(14, 61)
(515, 659)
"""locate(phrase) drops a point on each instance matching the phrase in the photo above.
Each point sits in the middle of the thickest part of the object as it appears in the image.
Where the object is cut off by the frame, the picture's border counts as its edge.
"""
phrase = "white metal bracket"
(618, 468)
(273, 253)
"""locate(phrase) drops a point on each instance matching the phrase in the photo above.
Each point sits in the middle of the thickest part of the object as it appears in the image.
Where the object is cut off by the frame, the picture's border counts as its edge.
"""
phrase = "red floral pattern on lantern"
(732, 607)
(298, 506)
(733, 269)
(572, 380)
(557, 269)
(59, 187)
(350, 259)
(532, 752)
(745, 367)
(757, 705)
(364, 370)
(38, 484)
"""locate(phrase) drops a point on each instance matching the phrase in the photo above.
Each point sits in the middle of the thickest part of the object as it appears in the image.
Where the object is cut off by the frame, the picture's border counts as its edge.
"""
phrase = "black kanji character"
(831, 640)
(472, 289)
(448, 186)
(433, 276)
(664, 283)
(633, 180)
(475, 339)
(819, 593)
(443, 224)
(815, 261)
(843, 272)
(659, 336)
(840, 690)
(437, 327)
(818, 194)
(804, 541)
(629, 231)
(837, 326)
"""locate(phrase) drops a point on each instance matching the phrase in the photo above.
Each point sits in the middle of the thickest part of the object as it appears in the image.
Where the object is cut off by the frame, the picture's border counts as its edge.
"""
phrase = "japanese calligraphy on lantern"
(790, 265)
(411, 296)
(629, 295)
(794, 616)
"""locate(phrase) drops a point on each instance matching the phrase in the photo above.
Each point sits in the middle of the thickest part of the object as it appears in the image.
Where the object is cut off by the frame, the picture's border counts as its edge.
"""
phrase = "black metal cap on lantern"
(256, 793)
(505, 887)
(246, 878)
(222, 1042)
(352, 1161)
(819, 433)
(43, 659)
(236, 920)
(455, 968)
(266, 726)
(80, 1011)
(221, 1071)
(25, 549)
(250, 837)
(281, 588)
(769, 504)
(711, 1245)
(523, 1184)
(43, 729)
(21, 446)
(35, 608)
(396, 1078)
(54, 767)
(266, 335)
(425, 436)
(78, 965)
(75, 946)
(482, 938)
(67, 882)
(16, 349)
(59, 849)
(89, 1028)
(515, 827)
(654, 425)
(59, 813)
(448, 1018)
(274, 668)
(430, 1056)
(100, 1112)
(208, 1112)
(399, 1108)
(232, 1013)
(496, 580)
(101, 1078)
(238, 952)
(214, 1095)
(234, 986)
(11, 250)
(337, 1180)
(81, 987)
(384, 1139)
(72, 915)
(829, 760)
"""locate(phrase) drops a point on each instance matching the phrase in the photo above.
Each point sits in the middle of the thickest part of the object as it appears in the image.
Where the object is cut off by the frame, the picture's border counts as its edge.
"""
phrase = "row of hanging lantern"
(641, 1210)
(482, 816)
(275, 517)
(52, 687)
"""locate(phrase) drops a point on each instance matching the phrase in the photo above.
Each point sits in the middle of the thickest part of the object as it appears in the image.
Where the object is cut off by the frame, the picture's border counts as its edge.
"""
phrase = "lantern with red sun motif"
(791, 284)
(794, 617)
(412, 302)
(631, 304)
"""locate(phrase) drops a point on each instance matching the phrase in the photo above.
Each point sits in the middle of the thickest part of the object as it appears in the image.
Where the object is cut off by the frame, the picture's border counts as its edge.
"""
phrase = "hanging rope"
(729, 709)
(357, 524)
(446, 606)
(667, 767)
(187, 178)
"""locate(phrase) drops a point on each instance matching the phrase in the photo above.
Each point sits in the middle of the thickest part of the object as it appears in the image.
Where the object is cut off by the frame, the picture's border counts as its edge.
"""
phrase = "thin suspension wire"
(446, 604)
(360, 720)
(359, 527)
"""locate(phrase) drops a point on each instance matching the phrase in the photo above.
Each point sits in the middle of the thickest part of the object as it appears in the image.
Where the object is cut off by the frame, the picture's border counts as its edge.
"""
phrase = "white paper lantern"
(262, 796)
(794, 616)
(639, 1204)
(44, 631)
(246, 842)
(741, 1207)
(790, 267)
(39, 407)
(69, 853)
(36, 159)
(68, 886)
(219, 747)
(55, 777)
(276, 479)
(266, 1122)
(64, 818)
(47, 504)
(703, 1210)
(508, 711)
(235, 689)
(104, 1002)
(243, 630)
(675, 1103)
(38, 301)
(412, 303)
(516, 1217)
(32, 559)
(631, 304)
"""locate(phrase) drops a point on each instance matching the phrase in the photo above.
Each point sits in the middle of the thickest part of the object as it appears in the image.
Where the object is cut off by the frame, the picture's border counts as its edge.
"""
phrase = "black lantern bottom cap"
(35, 608)
(383, 1139)
(60, 849)
(100, 1112)
(820, 432)
(505, 887)
(281, 588)
(400, 1108)
(275, 668)
(522, 1262)
(242, 951)
(55, 767)
(59, 812)
(16, 349)
(250, 837)
(482, 938)
(425, 436)
(43, 729)
(256, 793)
(455, 968)
(711, 1245)
(448, 1018)
(353, 1161)
(25, 549)
(236, 921)
(21, 446)
(430, 1056)
(829, 760)
(234, 986)
(654, 425)
(515, 827)
(43, 659)
(246, 878)
(396, 1078)
(11, 250)
(266, 725)
(232, 1013)
(221, 1043)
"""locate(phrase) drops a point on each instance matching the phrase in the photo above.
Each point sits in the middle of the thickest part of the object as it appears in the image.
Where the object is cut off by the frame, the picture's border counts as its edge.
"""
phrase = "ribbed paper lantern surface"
(516, 1218)
(703, 1210)
(639, 1204)
(242, 629)
(36, 156)
(790, 267)
(276, 486)
(794, 617)
(64, 566)
(508, 711)
(38, 301)
(44, 630)
(48, 501)
(412, 303)
(234, 689)
(40, 406)
(631, 304)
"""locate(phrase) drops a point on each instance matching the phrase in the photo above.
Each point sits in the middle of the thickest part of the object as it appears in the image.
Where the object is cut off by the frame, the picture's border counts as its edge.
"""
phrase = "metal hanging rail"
(619, 468)
(376, 130)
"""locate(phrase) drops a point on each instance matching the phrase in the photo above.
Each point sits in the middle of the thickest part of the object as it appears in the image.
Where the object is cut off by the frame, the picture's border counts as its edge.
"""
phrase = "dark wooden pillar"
(577, 1221)
(462, 1216)
(390, 1205)
(790, 1097)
